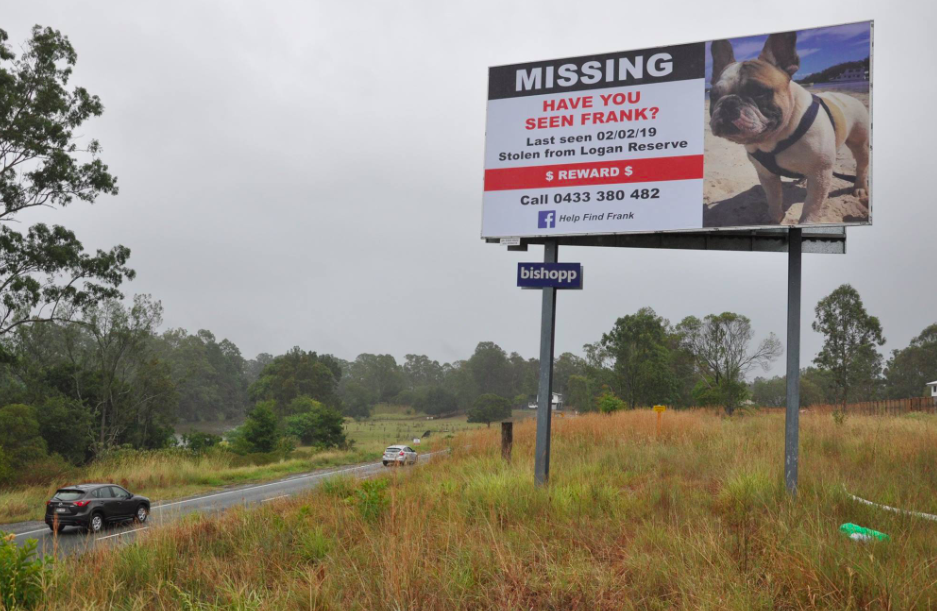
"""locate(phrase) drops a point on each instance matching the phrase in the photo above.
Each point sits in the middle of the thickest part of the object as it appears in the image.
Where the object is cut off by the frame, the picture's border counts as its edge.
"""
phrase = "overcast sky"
(310, 173)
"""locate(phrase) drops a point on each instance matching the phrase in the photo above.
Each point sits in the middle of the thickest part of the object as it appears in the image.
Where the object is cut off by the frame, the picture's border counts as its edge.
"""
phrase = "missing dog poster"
(762, 131)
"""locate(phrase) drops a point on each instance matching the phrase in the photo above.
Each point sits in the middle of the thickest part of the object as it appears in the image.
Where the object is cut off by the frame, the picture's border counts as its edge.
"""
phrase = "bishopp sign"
(549, 275)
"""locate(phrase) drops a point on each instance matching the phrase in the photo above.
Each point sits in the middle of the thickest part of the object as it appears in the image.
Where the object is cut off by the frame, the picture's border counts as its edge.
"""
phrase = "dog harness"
(770, 161)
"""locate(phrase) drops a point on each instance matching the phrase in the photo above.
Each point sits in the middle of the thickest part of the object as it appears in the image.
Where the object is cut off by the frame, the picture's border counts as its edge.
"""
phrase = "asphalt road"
(74, 541)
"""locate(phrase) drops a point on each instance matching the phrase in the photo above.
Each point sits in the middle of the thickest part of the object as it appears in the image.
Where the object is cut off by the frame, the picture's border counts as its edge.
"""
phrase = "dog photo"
(788, 129)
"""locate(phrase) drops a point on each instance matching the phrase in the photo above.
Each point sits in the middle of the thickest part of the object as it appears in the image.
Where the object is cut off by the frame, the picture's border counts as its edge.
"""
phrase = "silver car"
(399, 455)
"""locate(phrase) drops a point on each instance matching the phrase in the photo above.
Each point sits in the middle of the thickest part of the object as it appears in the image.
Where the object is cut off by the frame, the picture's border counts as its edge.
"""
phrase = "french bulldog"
(757, 104)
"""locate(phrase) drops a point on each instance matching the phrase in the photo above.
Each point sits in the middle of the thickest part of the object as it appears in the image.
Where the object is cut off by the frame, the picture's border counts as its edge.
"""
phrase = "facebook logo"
(546, 219)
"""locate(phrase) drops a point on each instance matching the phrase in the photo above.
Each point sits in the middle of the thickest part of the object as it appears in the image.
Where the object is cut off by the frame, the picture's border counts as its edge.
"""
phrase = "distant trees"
(849, 352)
(210, 376)
(909, 370)
(315, 424)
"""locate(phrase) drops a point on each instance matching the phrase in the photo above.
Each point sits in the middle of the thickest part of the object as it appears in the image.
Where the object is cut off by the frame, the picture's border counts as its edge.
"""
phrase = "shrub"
(44, 471)
(320, 426)
(21, 573)
(198, 441)
(371, 499)
(607, 402)
(259, 433)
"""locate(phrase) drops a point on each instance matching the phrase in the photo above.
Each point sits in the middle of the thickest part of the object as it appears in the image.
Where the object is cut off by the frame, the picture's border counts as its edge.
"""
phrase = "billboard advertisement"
(761, 131)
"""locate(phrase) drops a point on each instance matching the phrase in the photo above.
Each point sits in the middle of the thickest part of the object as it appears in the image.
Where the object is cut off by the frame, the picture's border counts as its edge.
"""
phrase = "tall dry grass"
(696, 519)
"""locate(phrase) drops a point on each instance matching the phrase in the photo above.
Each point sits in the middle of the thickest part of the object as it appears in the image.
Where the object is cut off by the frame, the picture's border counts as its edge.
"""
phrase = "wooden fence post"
(507, 440)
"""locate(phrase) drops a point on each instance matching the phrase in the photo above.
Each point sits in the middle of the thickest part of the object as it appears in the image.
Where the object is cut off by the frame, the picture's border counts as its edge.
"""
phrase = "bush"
(21, 573)
(198, 442)
(320, 426)
(259, 433)
(608, 403)
(370, 499)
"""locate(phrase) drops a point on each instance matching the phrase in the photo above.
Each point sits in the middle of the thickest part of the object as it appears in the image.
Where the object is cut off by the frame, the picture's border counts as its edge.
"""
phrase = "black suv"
(91, 506)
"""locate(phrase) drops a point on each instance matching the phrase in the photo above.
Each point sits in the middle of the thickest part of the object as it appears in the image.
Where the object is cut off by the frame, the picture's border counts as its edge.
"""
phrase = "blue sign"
(544, 275)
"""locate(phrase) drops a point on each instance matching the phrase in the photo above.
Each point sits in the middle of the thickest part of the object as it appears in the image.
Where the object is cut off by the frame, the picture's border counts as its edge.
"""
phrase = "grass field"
(696, 519)
(396, 424)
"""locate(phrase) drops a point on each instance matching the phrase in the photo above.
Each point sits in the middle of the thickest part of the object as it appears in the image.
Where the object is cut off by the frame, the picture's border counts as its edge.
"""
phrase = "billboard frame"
(681, 232)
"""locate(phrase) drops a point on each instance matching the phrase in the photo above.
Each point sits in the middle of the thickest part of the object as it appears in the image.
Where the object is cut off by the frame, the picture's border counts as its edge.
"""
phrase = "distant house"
(933, 390)
(851, 74)
(556, 404)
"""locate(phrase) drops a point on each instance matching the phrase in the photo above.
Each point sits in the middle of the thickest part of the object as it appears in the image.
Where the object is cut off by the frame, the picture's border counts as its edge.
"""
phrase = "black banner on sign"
(660, 65)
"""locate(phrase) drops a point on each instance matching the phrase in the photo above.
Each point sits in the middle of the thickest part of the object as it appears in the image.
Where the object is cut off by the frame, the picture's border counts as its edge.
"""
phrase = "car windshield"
(68, 495)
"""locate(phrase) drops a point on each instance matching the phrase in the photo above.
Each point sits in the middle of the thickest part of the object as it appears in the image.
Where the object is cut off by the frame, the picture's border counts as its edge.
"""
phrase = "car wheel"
(385, 463)
(96, 523)
(56, 529)
(142, 514)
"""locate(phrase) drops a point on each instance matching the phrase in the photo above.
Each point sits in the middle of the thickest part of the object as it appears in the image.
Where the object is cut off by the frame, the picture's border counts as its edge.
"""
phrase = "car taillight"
(81, 503)
(401, 453)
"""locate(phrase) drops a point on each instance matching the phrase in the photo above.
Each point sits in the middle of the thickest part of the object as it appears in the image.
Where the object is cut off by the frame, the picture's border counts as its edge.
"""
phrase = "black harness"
(770, 161)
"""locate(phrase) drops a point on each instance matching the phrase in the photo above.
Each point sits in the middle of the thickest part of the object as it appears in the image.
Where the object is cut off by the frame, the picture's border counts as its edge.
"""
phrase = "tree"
(420, 370)
(358, 400)
(488, 408)
(565, 366)
(46, 274)
(298, 373)
(720, 348)
(67, 427)
(638, 343)
(579, 393)
(316, 425)
(909, 370)
(260, 432)
(379, 373)
(116, 372)
(490, 369)
(19, 435)
(437, 401)
(770, 392)
(850, 335)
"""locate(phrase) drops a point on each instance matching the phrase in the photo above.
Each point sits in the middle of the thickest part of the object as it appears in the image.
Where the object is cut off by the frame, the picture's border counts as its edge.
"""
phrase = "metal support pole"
(545, 389)
(792, 418)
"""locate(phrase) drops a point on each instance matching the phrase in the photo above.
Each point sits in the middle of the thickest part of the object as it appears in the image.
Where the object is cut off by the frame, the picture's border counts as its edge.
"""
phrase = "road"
(73, 540)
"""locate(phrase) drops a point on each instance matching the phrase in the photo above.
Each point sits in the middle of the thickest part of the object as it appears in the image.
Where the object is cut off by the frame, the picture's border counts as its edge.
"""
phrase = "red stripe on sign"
(658, 169)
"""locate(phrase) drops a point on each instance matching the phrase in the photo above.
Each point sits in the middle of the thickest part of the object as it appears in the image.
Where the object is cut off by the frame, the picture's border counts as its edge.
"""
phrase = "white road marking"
(282, 496)
(123, 533)
(32, 532)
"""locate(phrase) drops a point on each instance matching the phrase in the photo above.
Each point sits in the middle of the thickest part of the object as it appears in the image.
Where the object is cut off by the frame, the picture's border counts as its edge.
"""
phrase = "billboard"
(762, 131)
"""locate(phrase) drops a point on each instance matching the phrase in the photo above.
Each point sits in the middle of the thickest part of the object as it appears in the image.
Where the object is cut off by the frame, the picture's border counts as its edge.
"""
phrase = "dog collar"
(769, 160)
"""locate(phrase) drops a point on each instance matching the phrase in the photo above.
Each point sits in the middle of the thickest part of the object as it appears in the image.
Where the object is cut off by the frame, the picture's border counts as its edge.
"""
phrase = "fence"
(887, 407)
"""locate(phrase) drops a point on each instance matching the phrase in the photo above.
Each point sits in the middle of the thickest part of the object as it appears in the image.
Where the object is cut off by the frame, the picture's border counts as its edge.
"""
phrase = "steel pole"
(792, 417)
(545, 388)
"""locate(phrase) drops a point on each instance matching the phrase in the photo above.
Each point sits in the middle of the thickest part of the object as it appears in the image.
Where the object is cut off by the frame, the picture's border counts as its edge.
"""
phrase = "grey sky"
(310, 173)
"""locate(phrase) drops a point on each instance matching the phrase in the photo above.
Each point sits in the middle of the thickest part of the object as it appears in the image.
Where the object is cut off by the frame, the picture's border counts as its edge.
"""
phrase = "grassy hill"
(695, 519)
